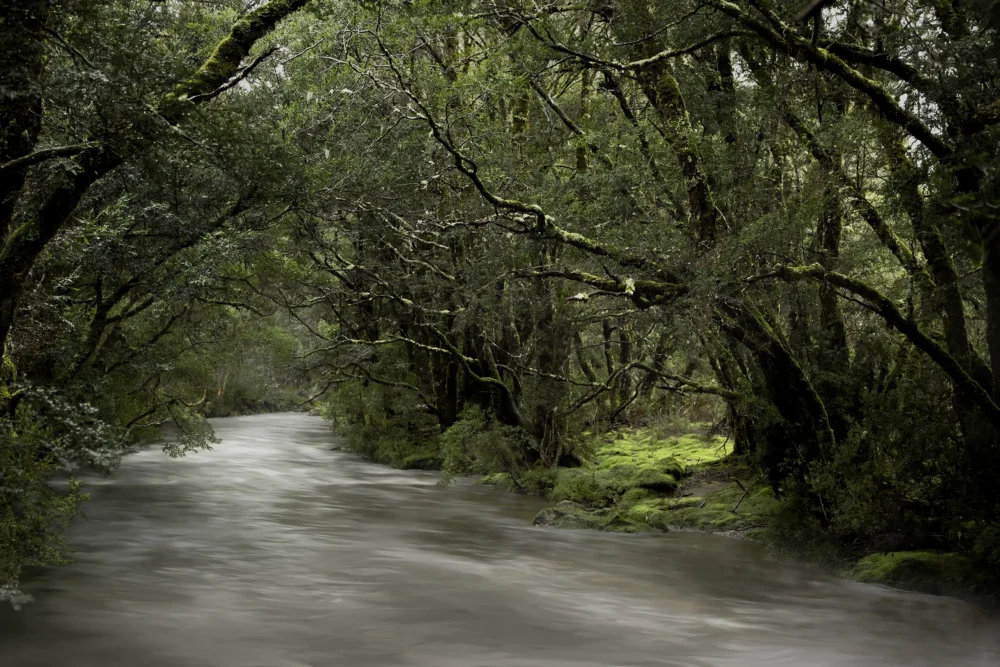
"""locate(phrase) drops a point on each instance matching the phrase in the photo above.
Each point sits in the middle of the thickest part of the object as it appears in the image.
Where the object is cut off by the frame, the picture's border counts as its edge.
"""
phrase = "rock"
(933, 572)
(624, 477)
(568, 514)
(549, 516)
(570, 506)
(575, 485)
(582, 522)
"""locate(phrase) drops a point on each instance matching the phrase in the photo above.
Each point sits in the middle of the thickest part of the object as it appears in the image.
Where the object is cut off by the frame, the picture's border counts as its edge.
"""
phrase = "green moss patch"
(922, 571)
(668, 455)
(637, 463)
(643, 509)
(625, 467)
(568, 514)
(712, 513)
(581, 486)
(630, 485)
(623, 478)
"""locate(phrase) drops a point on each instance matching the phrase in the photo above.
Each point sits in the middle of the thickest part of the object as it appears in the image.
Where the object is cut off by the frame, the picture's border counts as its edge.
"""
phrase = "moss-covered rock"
(923, 571)
(568, 514)
(718, 512)
(625, 477)
(636, 496)
(630, 485)
(627, 485)
(579, 486)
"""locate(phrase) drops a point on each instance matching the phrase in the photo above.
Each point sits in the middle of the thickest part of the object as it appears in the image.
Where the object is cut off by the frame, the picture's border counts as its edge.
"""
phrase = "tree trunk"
(26, 242)
(581, 358)
(22, 63)
(806, 430)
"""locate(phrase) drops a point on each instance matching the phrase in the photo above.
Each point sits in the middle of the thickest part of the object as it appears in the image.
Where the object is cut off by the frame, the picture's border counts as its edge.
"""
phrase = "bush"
(31, 511)
(475, 444)
(384, 424)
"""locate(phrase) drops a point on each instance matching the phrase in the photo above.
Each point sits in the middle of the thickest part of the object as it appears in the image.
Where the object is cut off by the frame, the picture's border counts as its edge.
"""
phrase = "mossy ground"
(634, 481)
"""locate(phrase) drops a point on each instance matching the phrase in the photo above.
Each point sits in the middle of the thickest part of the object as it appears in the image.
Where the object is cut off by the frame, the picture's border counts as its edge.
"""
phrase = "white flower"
(629, 286)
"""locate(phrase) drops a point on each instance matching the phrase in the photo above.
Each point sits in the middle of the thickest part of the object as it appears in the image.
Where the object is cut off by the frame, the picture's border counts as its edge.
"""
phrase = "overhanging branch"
(885, 308)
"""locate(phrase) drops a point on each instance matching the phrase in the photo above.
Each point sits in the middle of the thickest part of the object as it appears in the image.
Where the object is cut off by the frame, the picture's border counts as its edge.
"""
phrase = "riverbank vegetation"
(483, 235)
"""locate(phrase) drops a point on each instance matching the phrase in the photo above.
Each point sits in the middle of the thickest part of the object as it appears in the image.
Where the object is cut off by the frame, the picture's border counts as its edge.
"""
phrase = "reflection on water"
(274, 551)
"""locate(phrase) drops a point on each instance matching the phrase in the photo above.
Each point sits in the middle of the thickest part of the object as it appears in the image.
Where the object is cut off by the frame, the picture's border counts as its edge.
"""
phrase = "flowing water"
(274, 551)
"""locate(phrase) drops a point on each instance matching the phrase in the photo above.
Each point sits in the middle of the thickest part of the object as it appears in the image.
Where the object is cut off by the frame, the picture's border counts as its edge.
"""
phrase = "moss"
(648, 512)
(636, 496)
(923, 571)
(627, 486)
(634, 459)
(622, 478)
(8, 374)
(624, 523)
(427, 460)
(538, 481)
(502, 481)
(579, 486)
(568, 514)
(626, 469)
(710, 513)
(228, 54)
(669, 455)
(709, 518)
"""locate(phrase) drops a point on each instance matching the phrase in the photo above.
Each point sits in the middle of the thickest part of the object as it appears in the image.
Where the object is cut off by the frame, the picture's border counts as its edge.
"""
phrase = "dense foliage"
(475, 229)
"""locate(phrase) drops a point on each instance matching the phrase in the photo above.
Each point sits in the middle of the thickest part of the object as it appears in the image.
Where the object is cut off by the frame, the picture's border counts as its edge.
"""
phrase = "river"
(272, 550)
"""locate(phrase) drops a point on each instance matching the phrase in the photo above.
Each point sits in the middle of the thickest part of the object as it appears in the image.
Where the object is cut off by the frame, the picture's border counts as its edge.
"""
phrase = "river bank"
(638, 482)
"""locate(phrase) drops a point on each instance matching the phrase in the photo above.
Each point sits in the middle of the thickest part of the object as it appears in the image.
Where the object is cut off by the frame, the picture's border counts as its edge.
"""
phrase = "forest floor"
(637, 480)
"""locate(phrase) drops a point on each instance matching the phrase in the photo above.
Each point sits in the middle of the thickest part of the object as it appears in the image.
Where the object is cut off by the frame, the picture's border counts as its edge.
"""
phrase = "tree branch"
(43, 155)
(884, 307)
(239, 76)
(782, 37)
